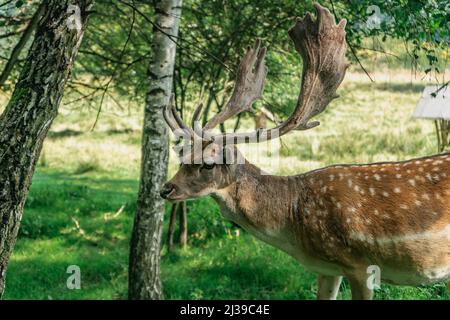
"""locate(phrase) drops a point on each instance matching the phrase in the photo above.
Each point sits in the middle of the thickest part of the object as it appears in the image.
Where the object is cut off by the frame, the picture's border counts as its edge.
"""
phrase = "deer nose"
(166, 190)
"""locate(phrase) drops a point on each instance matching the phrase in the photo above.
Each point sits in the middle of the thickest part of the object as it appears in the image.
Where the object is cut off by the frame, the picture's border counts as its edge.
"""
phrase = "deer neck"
(264, 205)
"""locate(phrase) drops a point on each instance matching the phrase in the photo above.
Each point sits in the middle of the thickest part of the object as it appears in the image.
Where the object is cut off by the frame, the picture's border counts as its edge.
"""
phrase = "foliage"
(114, 56)
(423, 25)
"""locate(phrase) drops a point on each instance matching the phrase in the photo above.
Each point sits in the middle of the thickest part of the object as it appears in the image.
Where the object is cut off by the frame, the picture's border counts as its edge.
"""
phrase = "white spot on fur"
(397, 190)
(377, 177)
(412, 182)
(372, 191)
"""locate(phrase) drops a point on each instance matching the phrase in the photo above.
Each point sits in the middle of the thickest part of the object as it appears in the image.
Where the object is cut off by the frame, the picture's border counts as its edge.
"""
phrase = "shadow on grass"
(392, 87)
(67, 133)
(44, 274)
(59, 202)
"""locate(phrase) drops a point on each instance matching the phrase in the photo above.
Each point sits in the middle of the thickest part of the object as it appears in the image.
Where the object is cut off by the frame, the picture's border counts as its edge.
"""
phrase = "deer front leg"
(328, 287)
(359, 288)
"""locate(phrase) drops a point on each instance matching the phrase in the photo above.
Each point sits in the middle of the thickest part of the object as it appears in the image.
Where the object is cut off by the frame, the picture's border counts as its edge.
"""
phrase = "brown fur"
(341, 219)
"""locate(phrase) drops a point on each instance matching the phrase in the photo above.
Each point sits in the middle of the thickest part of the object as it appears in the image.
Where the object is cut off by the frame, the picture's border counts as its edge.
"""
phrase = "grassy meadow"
(82, 201)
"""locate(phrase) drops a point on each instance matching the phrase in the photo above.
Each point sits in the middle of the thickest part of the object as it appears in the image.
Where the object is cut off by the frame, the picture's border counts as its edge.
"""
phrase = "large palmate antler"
(248, 88)
(321, 44)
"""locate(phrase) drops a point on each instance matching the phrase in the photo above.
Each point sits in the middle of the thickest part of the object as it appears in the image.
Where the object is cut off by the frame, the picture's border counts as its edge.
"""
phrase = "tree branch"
(21, 44)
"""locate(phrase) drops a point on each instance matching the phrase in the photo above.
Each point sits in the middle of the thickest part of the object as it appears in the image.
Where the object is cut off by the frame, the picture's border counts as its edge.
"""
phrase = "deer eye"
(208, 166)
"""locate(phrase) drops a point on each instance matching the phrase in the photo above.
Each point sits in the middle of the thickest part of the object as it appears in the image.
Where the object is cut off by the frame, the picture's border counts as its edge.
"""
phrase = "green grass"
(82, 202)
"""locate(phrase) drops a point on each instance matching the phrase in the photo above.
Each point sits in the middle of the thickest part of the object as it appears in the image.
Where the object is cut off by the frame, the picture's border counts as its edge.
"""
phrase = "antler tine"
(196, 114)
(248, 88)
(168, 117)
(174, 120)
(177, 118)
(198, 131)
(321, 44)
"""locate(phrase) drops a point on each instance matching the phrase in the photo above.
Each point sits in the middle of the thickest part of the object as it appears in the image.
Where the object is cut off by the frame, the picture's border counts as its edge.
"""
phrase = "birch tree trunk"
(31, 110)
(144, 270)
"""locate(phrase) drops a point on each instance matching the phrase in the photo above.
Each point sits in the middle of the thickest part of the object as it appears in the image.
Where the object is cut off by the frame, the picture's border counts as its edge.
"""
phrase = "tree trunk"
(171, 230)
(30, 112)
(182, 240)
(144, 271)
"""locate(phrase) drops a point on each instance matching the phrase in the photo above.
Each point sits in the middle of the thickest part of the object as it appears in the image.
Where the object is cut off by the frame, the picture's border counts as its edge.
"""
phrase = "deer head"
(213, 162)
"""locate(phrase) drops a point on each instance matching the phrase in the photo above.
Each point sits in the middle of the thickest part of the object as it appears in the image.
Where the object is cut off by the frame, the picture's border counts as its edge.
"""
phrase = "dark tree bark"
(182, 240)
(30, 112)
(144, 272)
(171, 229)
(183, 232)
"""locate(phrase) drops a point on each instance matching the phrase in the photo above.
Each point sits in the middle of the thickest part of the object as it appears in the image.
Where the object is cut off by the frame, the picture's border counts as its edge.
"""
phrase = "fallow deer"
(339, 220)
